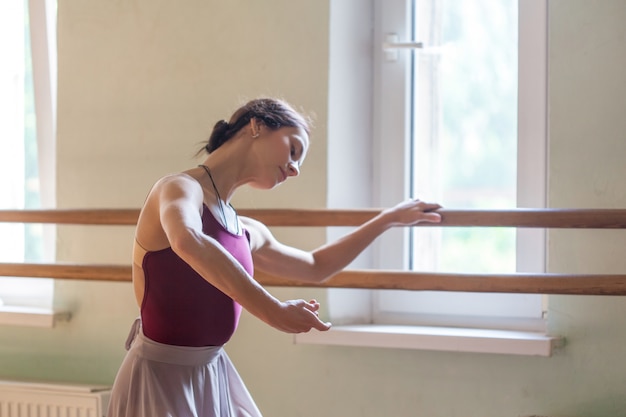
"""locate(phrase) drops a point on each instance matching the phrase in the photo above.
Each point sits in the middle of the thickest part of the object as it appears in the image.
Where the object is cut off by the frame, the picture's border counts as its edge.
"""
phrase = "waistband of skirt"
(149, 349)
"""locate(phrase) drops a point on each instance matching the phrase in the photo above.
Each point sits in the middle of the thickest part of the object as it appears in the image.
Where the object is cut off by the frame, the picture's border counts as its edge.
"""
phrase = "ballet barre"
(529, 283)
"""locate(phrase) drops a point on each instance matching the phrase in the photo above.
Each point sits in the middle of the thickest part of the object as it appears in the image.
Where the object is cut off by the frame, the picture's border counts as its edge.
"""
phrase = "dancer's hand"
(298, 316)
(410, 212)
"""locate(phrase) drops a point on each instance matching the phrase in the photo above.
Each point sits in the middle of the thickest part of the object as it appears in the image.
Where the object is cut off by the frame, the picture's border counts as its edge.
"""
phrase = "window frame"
(31, 301)
(352, 107)
(392, 82)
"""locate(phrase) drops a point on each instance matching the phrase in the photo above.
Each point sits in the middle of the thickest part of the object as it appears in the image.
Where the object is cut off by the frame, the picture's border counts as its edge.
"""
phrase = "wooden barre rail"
(538, 218)
(588, 284)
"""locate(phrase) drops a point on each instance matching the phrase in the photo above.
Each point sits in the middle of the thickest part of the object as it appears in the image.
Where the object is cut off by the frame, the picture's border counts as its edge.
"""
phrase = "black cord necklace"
(220, 201)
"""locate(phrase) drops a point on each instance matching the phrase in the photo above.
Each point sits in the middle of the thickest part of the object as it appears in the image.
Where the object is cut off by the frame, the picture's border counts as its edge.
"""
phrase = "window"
(369, 109)
(27, 85)
(455, 134)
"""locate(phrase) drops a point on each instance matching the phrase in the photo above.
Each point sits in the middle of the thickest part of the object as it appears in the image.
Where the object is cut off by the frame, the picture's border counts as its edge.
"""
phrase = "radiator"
(43, 399)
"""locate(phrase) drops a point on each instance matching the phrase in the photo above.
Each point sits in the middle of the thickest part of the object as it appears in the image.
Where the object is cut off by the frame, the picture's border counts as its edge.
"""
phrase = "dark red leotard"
(179, 306)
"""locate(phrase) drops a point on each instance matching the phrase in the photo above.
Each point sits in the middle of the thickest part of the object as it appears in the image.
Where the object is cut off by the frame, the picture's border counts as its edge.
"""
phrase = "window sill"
(31, 316)
(435, 338)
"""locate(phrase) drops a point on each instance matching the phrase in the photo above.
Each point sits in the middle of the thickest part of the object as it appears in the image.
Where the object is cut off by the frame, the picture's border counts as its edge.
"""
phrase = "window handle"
(391, 46)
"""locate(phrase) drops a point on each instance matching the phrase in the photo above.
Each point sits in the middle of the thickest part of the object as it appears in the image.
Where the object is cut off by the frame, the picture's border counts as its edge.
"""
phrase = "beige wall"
(141, 83)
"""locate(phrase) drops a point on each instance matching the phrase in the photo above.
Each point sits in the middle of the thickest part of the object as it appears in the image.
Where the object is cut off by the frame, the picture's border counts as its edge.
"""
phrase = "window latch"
(391, 46)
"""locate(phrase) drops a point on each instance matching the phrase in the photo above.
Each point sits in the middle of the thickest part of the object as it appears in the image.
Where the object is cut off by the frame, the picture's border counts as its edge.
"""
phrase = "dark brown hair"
(271, 112)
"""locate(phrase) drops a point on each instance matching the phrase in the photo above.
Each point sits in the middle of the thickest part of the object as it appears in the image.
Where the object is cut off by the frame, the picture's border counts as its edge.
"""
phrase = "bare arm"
(278, 259)
(179, 203)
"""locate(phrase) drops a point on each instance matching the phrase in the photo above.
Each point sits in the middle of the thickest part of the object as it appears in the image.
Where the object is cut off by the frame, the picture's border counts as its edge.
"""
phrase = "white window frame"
(30, 300)
(393, 81)
(351, 311)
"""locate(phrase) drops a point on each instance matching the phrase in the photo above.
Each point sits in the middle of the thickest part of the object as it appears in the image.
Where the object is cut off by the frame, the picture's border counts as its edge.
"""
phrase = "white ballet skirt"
(159, 380)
